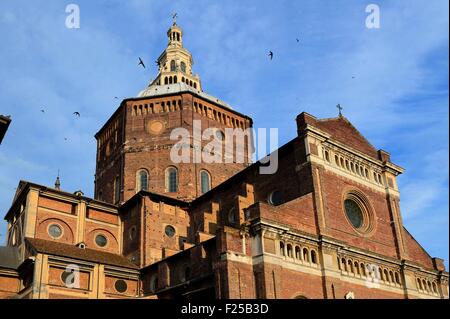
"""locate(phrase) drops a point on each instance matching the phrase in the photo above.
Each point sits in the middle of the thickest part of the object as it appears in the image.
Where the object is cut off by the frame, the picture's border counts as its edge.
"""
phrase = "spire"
(175, 63)
(175, 35)
(58, 182)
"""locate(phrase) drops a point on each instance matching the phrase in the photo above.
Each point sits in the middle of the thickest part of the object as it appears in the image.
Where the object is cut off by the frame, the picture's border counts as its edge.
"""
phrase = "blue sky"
(392, 82)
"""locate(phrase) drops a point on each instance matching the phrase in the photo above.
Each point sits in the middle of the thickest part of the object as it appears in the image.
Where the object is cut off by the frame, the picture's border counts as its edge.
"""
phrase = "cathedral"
(325, 225)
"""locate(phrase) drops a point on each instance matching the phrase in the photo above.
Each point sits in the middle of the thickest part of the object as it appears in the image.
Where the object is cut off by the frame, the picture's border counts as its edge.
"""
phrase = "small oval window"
(68, 277)
(55, 231)
(276, 198)
(121, 286)
(101, 240)
(232, 218)
(170, 231)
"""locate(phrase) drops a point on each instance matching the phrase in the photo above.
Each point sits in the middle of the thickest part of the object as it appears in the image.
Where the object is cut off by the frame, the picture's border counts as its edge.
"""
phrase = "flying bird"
(271, 55)
(77, 114)
(42, 111)
(141, 63)
(297, 40)
(174, 15)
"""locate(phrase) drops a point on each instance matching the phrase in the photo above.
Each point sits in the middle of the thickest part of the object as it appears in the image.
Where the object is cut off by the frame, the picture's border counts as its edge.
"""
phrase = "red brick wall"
(381, 241)
(144, 150)
(9, 286)
(54, 278)
(92, 229)
(68, 225)
(416, 253)
(132, 287)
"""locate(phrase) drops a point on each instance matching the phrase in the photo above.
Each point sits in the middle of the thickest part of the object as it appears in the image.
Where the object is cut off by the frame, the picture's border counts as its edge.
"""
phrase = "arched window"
(343, 264)
(305, 255)
(171, 180)
(195, 85)
(397, 278)
(173, 67)
(205, 181)
(142, 180)
(170, 80)
(183, 67)
(363, 269)
(357, 268)
(116, 189)
(298, 254)
(419, 284)
(281, 248)
(386, 276)
(166, 80)
(424, 284)
(289, 250)
(327, 156)
(435, 288)
(350, 266)
(313, 257)
(175, 79)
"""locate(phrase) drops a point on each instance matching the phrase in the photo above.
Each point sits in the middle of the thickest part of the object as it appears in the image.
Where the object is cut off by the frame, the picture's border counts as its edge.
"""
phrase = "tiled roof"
(343, 131)
(65, 250)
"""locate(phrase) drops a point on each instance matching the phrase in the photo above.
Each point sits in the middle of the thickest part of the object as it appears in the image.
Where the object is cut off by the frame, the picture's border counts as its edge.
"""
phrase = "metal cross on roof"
(340, 108)
(174, 17)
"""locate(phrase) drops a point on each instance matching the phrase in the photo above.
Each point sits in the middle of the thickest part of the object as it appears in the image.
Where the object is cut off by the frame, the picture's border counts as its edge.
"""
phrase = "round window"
(121, 286)
(232, 218)
(170, 231)
(101, 240)
(55, 231)
(276, 198)
(68, 277)
(354, 213)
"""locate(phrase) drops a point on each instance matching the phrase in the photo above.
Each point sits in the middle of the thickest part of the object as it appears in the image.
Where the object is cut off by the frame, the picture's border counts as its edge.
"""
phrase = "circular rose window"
(170, 231)
(121, 286)
(55, 231)
(101, 240)
(359, 212)
(354, 213)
